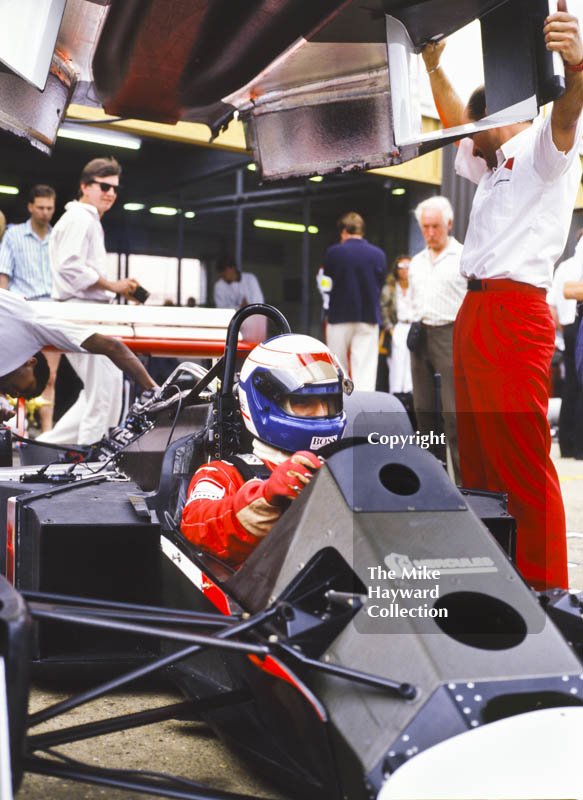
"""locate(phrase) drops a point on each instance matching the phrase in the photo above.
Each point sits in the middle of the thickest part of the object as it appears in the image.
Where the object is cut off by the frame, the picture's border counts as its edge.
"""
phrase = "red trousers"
(503, 345)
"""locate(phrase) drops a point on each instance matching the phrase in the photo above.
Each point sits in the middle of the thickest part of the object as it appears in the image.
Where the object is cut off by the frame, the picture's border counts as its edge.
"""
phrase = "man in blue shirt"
(357, 270)
(24, 253)
(25, 270)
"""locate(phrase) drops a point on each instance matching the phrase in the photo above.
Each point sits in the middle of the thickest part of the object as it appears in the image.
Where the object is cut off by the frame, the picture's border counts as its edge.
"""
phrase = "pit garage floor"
(190, 748)
(571, 478)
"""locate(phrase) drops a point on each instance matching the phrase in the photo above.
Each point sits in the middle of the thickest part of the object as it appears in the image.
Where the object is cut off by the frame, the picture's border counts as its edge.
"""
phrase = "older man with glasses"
(78, 261)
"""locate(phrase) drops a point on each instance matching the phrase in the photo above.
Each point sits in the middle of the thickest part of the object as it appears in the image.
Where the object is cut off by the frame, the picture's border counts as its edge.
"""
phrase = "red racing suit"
(226, 515)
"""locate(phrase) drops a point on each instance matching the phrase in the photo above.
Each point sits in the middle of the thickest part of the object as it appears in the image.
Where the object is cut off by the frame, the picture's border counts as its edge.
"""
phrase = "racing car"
(378, 643)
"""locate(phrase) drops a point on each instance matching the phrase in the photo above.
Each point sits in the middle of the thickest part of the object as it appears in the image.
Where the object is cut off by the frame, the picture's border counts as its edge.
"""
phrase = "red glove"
(289, 478)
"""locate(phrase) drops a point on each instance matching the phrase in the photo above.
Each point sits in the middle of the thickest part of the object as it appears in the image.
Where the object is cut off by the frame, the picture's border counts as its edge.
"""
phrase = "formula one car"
(378, 643)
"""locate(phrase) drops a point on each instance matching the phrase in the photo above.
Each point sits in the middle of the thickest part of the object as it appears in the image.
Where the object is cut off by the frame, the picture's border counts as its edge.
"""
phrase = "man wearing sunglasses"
(79, 261)
(77, 247)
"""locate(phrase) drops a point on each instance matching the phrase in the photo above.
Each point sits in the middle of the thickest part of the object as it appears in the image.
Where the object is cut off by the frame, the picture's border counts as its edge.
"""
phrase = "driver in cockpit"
(290, 392)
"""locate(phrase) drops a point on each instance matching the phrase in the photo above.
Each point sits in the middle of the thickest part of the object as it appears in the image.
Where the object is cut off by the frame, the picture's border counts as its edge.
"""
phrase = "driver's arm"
(229, 517)
(225, 515)
(121, 356)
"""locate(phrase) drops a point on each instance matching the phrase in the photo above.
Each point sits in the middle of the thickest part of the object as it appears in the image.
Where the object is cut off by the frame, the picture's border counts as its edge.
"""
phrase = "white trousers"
(361, 339)
(400, 378)
(97, 408)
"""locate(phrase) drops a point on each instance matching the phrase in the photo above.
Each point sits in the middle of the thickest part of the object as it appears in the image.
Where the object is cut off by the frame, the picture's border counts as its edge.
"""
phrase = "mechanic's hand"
(562, 35)
(6, 415)
(432, 53)
(289, 478)
(6, 410)
(125, 287)
(149, 394)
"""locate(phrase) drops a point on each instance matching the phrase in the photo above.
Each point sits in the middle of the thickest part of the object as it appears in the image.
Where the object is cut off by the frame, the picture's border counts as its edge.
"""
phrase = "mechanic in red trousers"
(290, 393)
(527, 176)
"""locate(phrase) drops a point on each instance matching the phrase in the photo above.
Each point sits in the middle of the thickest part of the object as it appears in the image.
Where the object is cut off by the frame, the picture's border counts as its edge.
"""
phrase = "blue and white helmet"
(282, 374)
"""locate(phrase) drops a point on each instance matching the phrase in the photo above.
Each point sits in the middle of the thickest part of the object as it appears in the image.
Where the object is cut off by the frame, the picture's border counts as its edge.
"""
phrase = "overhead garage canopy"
(323, 87)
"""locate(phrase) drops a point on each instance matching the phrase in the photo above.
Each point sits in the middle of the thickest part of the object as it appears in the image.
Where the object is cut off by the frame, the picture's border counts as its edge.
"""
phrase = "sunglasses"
(105, 187)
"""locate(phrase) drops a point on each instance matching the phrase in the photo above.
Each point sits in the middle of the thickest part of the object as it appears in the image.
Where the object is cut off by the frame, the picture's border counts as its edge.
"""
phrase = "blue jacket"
(358, 271)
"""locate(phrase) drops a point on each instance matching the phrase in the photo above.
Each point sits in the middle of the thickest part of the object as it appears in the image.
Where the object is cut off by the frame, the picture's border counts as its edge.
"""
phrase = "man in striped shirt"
(24, 254)
(25, 270)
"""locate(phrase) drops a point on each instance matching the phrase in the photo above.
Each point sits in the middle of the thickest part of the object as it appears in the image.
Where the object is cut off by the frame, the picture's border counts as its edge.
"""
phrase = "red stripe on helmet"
(310, 358)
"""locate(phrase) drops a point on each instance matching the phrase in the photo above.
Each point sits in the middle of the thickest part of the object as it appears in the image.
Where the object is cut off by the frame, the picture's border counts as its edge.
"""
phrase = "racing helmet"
(283, 377)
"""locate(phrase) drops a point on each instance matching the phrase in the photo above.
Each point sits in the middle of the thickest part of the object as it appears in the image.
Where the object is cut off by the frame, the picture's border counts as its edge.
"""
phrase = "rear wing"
(371, 115)
(322, 87)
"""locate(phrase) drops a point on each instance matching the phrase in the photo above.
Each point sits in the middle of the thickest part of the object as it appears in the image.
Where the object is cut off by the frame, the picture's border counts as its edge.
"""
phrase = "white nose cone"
(535, 756)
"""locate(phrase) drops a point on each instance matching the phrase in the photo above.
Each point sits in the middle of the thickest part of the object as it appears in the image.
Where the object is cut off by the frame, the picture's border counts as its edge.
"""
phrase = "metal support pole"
(140, 672)
(163, 787)
(305, 319)
(180, 251)
(144, 630)
(189, 709)
(239, 221)
(384, 217)
(5, 768)
(120, 275)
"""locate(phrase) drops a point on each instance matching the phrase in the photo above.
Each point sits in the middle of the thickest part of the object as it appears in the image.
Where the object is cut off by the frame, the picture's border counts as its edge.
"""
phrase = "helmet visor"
(322, 405)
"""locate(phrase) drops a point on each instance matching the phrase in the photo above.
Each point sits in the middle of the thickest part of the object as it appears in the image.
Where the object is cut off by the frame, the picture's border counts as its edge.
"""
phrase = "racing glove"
(289, 478)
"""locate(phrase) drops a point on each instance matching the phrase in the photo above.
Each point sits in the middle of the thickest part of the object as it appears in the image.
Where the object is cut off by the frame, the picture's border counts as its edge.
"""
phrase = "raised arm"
(449, 106)
(121, 356)
(562, 35)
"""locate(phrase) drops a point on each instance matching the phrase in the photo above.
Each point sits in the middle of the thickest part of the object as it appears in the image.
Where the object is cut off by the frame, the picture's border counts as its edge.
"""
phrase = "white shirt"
(569, 270)
(404, 304)
(522, 209)
(77, 254)
(233, 295)
(437, 288)
(23, 332)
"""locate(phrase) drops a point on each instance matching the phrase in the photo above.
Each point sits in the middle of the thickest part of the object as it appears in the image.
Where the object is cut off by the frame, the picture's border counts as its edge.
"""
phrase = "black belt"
(502, 284)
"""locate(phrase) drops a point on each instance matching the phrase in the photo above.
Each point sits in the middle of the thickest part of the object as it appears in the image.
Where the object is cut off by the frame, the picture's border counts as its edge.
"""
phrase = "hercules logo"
(402, 565)
(399, 563)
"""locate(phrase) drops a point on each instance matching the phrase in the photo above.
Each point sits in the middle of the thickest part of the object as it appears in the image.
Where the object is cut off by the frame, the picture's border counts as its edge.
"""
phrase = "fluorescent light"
(294, 227)
(9, 190)
(251, 167)
(165, 211)
(189, 214)
(317, 178)
(133, 206)
(398, 191)
(85, 133)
